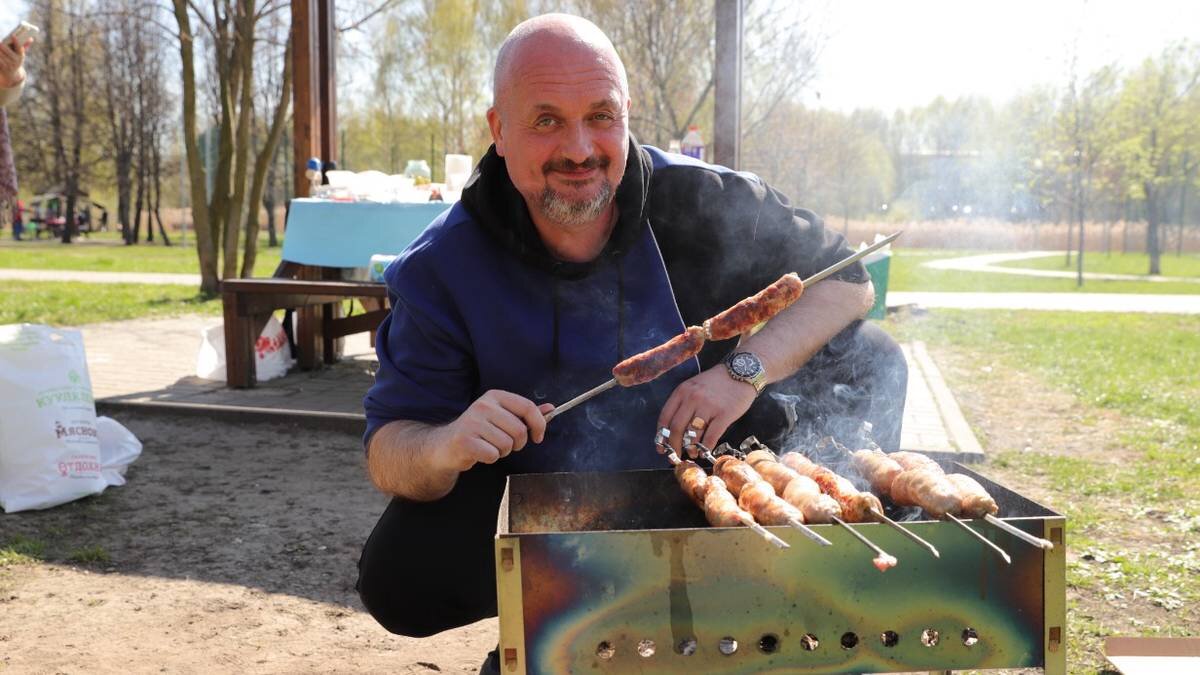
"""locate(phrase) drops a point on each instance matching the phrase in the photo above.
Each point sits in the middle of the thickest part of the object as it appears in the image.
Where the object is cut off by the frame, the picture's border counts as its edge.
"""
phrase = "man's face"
(561, 126)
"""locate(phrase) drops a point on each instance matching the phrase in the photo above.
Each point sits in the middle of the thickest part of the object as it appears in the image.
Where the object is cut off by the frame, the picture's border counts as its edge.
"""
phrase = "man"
(573, 248)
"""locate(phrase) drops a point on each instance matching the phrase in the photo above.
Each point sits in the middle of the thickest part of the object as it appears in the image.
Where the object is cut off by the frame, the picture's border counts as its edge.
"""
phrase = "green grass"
(21, 550)
(61, 303)
(1146, 368)
(104, 252)
(89, 555)
(1187, 265)
(908, 274)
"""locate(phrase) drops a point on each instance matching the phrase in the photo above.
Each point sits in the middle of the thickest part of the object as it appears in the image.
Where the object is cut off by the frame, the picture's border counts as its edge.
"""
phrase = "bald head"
(535, 40)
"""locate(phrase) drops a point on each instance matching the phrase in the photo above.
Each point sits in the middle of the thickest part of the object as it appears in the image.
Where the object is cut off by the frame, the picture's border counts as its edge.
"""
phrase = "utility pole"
(727, 109)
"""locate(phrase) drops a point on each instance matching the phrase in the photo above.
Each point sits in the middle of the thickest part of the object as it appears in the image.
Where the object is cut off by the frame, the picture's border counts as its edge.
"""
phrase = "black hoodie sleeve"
(726, 235)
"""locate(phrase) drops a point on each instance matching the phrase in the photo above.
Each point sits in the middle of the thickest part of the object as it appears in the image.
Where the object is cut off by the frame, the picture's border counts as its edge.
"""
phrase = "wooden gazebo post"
(314, 123)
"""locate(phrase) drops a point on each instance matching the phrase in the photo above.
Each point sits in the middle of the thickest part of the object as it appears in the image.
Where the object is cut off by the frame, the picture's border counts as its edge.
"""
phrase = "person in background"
(12, 81)
(18, 219)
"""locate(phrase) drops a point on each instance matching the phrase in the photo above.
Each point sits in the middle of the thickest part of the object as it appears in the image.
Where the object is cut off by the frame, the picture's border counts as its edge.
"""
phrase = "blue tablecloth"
(347, 234)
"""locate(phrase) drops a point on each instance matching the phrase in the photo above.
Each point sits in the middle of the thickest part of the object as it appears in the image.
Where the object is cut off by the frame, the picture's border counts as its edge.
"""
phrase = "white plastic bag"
(49, 449)
(118, 449)
(272, 356)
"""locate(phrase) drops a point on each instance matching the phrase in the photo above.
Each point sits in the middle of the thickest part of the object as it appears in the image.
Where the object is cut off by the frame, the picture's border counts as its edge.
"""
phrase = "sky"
(904, 53)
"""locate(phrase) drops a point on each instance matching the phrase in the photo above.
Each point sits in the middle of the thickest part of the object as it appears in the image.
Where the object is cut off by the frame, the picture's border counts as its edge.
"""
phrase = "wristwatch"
(747, 367)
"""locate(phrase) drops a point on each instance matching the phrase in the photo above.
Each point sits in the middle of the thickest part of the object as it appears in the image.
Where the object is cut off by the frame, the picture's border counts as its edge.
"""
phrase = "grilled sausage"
(975, 501)
(877, 468)
(856, 505)
(644, 367)
(755, 309)
(928, 489)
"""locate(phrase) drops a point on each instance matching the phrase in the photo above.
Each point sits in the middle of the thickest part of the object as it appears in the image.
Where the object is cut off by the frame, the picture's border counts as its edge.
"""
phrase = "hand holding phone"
(21, 34)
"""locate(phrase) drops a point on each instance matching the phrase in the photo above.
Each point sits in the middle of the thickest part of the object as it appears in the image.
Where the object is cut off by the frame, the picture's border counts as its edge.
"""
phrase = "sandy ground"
(231, 549)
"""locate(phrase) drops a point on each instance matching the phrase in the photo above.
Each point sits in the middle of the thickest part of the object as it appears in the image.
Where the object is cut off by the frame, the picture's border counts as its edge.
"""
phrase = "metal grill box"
(619, 573)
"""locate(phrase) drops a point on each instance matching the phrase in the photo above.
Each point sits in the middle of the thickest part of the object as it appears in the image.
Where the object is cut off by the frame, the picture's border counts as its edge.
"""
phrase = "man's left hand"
(712, 396)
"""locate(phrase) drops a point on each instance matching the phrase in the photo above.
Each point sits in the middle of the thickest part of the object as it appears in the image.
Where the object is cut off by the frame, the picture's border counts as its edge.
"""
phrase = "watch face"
(745, 365)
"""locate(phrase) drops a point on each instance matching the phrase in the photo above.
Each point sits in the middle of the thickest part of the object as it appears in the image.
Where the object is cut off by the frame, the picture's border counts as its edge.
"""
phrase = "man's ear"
(493, 119)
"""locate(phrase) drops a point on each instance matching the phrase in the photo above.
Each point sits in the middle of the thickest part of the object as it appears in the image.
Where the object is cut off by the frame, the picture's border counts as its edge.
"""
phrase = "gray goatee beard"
(565, 212)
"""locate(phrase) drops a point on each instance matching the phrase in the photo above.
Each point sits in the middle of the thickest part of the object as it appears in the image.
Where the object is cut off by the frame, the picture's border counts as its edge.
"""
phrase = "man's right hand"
(497, 423)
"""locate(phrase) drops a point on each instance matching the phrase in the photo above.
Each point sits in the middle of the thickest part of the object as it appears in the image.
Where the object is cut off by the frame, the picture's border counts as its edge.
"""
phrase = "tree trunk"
(262, 162)
(156, 188)
(1152, 216)
(197, 177)
(244, 67)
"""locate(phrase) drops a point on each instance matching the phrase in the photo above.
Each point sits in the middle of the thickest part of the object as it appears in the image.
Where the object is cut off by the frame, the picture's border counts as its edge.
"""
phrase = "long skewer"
(744, 517)
(848, 260)
(1044, 544)
(883, 559)
(906, 532)
(580, 399)
(999, 551)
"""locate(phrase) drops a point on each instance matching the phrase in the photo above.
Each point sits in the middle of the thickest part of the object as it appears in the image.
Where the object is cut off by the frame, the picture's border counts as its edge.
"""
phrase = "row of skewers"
(758, 489)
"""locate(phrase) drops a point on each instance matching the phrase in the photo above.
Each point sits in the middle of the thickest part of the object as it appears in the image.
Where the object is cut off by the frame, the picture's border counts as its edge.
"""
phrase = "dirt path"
(231, 549)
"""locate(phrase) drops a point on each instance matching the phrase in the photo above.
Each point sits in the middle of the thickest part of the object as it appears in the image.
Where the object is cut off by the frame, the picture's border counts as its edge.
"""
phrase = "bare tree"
(232, 30)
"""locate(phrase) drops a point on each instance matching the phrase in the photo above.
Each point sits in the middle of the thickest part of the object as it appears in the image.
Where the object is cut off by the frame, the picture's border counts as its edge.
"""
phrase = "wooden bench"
(249, 303)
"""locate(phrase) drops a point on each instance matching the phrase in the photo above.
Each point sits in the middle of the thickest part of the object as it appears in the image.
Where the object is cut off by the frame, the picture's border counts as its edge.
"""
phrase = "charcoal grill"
(619, 573)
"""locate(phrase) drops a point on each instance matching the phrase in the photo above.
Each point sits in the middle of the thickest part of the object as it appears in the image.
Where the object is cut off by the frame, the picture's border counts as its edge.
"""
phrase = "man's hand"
(12, 61)
(497, 423)
(714, 397)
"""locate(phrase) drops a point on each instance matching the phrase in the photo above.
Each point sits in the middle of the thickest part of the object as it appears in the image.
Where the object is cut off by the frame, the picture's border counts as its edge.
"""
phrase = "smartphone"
(22, 32)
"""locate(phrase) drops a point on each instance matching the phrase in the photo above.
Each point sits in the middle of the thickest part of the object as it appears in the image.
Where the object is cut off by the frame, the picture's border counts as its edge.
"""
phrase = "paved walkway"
(10, 274)
(152, 363)
(990, 263)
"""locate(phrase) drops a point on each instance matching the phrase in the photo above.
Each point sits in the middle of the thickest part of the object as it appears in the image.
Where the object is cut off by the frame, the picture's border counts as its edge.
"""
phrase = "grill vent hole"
(930, 637)
(810, 642)
(727, 645)
(768, 644)
(686, 646)
(889, 638)
(645, 649)
(970, 637)
(605, 650)
(849, 640)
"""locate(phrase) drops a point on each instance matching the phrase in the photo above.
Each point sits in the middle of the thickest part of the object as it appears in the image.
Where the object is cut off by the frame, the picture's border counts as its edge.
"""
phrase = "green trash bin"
(878, 269)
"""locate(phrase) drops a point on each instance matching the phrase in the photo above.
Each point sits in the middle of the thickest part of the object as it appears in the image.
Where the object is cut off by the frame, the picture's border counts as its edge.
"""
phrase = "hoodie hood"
(494, 202)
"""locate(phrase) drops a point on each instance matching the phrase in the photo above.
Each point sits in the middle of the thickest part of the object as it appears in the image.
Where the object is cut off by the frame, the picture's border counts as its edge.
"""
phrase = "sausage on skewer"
(883, 560)
(710, 494)
(877, 467)
(758, 497)
(648, 365)
(856, 506)
(755, 309)
(799, 491)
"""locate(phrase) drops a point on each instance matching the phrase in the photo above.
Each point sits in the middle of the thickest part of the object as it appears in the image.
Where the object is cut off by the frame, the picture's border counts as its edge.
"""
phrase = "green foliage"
(21, 550)
(88, 555)
(1132, 518)
(76, 303)
(1142, 365)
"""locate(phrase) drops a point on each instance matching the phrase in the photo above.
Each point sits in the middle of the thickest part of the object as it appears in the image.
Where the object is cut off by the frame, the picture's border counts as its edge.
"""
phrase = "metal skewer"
(839, 265)
(999, 551)
(881, 556)
(745, 518)
(906, 532)
(1044, 544)
(580, 399)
